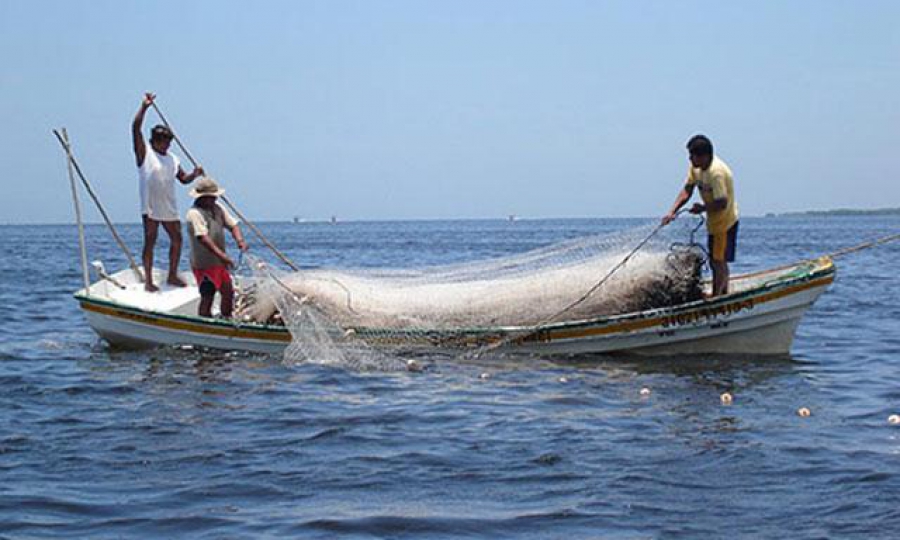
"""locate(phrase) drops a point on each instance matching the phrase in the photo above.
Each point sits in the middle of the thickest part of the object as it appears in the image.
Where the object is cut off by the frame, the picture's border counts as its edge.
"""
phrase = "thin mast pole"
(78, 221)
(90, 191)
(225, 199)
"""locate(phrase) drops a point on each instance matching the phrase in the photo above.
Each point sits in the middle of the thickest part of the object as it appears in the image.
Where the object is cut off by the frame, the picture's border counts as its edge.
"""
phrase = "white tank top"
(157, 183)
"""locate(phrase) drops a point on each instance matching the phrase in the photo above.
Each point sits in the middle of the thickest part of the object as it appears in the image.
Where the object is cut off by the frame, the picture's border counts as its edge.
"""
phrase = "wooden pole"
(260, 235)
(228, 202)
(82, 249)
(90, 190)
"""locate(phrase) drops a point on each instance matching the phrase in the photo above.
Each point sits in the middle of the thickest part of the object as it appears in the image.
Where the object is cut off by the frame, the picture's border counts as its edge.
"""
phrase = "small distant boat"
(759, 317)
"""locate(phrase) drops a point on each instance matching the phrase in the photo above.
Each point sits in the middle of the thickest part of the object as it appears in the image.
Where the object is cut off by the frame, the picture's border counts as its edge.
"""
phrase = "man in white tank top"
(157, 171)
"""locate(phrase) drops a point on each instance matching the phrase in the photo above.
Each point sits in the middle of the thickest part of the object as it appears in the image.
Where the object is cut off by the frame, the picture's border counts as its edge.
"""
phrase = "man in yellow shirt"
(714, 178)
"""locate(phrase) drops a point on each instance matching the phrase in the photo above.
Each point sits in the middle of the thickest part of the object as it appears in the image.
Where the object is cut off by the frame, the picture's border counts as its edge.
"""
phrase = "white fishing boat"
(759, 316)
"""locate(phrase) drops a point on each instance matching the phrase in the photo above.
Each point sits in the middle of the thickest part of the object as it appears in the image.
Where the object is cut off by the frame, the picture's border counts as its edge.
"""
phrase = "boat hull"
(749, 326)
(131, 329)
(761, 319)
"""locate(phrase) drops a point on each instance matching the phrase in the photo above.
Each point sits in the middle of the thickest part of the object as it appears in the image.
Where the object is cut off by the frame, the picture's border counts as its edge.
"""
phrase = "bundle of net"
(439, 304)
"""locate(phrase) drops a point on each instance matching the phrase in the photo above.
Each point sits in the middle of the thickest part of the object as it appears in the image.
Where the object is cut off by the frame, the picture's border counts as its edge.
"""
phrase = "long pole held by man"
(714, 179)
(157, 171)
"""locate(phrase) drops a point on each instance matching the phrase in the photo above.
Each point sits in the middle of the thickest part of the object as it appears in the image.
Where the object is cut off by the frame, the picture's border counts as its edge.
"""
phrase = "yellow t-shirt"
(714, 183)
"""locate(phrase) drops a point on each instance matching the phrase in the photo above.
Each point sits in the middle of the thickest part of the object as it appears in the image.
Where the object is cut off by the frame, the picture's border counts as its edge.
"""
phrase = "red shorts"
(215, 275)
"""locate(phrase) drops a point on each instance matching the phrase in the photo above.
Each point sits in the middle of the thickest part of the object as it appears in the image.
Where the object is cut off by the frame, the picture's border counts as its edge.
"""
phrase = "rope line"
(225, 199)
(864, 245)
(543, 324)
(90, 190)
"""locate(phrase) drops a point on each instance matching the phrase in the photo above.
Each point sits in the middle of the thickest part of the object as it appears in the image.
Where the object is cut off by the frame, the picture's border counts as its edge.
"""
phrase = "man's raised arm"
(140, 148)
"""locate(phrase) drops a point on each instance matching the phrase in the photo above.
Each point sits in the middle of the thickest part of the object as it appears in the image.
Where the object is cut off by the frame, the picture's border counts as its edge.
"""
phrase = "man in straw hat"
(157, 170)
(206, 223)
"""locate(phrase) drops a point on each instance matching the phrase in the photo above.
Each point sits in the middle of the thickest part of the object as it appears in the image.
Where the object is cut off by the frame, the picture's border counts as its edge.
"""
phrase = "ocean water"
(165, 443)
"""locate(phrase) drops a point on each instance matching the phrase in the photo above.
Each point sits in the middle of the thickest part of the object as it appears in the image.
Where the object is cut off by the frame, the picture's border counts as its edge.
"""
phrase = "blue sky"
(457, 109)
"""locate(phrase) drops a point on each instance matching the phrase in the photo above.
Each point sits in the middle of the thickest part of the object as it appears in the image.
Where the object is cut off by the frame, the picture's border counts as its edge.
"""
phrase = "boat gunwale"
(821, 270)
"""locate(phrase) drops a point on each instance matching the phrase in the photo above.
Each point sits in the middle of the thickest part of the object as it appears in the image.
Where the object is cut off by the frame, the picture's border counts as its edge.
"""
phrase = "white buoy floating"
(563, 380)
(413, 366)
(645, 391)
(894, 419)
(726, 398)
(803, 412)
(484, 376)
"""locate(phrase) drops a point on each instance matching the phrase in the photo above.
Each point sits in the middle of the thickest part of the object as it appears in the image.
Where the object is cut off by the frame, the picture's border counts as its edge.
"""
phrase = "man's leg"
(720, 277)
(173, 228)
(227, 294)
(151, 229)
(207, 294)
(718, 244)
(722, 249)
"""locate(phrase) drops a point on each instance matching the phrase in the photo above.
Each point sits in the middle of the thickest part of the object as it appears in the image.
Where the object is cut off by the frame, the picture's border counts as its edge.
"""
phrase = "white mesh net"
(363, 316)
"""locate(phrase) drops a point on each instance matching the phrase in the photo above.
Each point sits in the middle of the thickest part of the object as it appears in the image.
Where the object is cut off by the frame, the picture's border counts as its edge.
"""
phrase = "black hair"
(700, 145)
(160, 133)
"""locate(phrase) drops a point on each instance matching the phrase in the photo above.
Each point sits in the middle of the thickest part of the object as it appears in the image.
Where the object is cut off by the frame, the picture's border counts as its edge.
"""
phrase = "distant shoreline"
(840, 212)
(323, 221)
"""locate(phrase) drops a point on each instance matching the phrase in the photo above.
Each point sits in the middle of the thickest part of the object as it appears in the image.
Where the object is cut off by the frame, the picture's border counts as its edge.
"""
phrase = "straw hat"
(206, 187)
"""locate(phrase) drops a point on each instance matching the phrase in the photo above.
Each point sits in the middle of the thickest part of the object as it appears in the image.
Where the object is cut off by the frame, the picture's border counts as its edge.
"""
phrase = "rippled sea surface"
(98, 443)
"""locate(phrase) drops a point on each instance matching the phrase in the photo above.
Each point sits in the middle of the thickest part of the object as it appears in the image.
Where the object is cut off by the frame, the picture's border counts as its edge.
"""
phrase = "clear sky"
(457, 109)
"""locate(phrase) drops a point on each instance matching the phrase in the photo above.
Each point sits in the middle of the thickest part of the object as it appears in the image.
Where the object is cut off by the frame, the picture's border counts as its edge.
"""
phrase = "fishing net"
(342, 315)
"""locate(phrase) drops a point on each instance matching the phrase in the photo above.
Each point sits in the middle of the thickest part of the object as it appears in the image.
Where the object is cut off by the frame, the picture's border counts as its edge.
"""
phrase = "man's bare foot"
(149, 287)
(176, 281)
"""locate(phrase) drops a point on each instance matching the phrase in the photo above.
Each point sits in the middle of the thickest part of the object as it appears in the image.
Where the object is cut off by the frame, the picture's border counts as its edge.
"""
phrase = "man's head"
(160, 138)
(205, 191)
(700, 151)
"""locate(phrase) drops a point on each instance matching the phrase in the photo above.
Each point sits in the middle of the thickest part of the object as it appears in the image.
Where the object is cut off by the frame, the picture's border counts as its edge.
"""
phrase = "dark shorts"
(722, 246)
